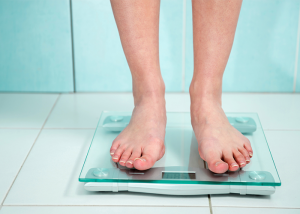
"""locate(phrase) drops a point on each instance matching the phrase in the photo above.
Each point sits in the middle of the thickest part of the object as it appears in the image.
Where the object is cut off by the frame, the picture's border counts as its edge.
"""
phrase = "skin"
(141, 143)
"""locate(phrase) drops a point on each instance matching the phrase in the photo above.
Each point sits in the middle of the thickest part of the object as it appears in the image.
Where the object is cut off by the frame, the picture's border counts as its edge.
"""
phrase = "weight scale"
(181, 171)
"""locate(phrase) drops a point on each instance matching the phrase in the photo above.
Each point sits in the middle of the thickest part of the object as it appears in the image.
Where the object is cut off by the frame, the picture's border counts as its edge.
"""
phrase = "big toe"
(150, 155)
(217, 166)
(215, 163)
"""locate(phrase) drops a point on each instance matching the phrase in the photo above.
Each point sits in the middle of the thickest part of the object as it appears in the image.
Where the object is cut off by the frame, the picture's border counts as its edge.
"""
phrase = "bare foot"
(220, 144)
(141, 143)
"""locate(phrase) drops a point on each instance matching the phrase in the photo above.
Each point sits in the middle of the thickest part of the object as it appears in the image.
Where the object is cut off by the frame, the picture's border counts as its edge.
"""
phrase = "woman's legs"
(143, 138)
(220, 145)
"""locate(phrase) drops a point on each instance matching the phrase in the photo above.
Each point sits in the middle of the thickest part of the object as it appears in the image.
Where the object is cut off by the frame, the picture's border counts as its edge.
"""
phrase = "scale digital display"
(178, 175)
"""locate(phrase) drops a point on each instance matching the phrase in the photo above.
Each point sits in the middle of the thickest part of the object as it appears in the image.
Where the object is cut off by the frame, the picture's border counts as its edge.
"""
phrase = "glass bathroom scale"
(181, 171)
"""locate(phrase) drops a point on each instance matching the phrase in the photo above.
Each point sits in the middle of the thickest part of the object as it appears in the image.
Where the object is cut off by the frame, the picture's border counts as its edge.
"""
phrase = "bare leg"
(220, 145)
(141, 143)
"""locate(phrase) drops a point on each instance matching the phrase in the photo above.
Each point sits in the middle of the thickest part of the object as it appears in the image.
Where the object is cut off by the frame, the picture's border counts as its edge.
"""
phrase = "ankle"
(205, 102)
(203, 95)
(149, 92)
(150, 99)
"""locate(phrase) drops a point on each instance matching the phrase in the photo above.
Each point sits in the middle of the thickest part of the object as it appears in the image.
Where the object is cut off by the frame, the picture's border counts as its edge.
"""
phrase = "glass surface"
(181, 163)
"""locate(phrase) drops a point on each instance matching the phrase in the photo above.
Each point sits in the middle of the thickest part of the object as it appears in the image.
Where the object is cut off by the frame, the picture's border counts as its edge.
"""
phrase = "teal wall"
(100, 62)
(264, 50)
(36, 51)
(35, 46)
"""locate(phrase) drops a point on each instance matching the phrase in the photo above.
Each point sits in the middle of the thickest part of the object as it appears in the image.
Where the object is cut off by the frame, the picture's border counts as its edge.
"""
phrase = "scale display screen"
(178, 175)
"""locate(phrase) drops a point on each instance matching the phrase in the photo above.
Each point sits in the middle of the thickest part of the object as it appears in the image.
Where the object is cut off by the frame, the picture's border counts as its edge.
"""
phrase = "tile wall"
(47, 46)
(35, 46)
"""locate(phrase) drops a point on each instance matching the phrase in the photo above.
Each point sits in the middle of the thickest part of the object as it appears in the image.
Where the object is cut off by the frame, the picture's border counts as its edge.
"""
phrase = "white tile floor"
(44, 139)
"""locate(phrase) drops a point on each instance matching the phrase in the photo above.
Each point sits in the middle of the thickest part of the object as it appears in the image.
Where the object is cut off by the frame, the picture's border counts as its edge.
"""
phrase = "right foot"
(141, 143)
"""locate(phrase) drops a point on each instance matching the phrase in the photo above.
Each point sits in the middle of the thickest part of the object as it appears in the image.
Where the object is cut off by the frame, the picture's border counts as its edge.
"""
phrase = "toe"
(247, 146)
(228, 158)
(245, 153)
(118, 153)
(124, 158)
(239, 158)
(150, 154)
(136, 153)
(214, 162)
(115, 145)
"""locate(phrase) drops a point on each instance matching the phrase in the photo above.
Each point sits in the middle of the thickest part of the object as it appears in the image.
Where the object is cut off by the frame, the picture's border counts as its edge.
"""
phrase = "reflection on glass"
(181, 162)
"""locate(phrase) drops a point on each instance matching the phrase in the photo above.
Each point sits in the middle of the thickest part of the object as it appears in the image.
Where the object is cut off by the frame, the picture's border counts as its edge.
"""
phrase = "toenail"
(234, 165)
(129, 162)
(122, 161)
(114, 158)
(247, 160)
(142, 159)
(250, 153)
(218, 163)
(112, 153)
(242, 164)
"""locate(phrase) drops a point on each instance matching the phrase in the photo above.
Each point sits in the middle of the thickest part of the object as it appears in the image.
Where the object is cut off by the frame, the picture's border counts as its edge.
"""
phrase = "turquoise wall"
(100, 63)
(264, 50)
(36, 47)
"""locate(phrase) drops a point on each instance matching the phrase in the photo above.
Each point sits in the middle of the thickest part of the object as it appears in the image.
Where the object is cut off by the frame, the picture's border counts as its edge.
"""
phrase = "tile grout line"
(48, 128)
(183, 46)
(29, 151)
(59, 205)
(72, 46)
(292, 208)
(90, 128)
(282, 130)
(168, 92)
(297, 53)
(210, 205)
(18, 128)
(70, 128)
(84, 205)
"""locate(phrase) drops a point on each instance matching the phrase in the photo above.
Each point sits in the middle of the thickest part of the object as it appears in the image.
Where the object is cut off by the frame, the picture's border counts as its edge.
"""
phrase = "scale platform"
(181, 171)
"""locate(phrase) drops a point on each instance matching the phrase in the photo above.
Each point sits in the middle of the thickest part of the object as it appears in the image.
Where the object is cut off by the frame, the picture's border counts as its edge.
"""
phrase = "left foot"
(219, 143)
